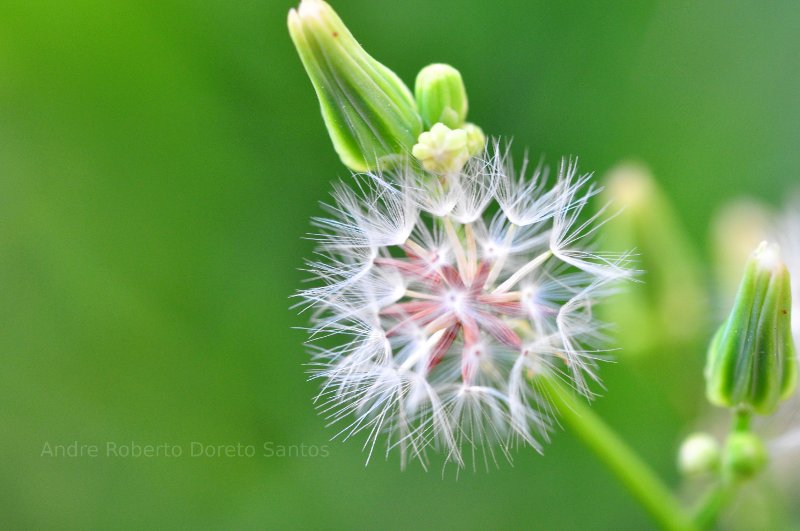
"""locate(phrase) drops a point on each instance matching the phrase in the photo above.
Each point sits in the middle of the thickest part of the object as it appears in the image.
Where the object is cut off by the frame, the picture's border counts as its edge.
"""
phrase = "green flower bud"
(441, 96)
(745, 455)
(751, 363)
(442, 150)
(666, 312)
(370, 114)
(699, 454)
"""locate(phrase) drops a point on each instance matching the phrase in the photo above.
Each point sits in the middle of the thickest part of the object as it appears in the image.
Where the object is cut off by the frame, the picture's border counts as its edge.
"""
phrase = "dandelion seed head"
(445, 296)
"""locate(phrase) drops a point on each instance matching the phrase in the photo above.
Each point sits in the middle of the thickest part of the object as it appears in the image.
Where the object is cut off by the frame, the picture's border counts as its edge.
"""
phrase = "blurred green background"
(159, 163)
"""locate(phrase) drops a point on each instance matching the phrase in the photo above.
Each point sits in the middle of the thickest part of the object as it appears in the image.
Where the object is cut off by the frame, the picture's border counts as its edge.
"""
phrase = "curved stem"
(709, 509)
(626, 465)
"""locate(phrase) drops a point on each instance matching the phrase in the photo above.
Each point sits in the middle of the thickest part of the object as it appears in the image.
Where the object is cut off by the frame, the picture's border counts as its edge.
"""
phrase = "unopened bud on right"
(751, 364)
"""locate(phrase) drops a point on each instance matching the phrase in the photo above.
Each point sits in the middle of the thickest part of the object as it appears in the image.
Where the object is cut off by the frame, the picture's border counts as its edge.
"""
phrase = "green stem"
(629, 468)
(709, 509)
(741, 421)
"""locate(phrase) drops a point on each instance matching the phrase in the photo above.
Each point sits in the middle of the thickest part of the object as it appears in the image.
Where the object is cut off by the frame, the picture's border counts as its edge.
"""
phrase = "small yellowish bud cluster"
(442, 150)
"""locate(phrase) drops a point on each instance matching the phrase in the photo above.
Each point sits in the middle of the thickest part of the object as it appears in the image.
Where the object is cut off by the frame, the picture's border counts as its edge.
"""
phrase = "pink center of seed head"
(450, 300)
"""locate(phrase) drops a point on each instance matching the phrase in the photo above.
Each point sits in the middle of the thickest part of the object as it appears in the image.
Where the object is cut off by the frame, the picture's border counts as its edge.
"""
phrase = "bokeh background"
(159, 163)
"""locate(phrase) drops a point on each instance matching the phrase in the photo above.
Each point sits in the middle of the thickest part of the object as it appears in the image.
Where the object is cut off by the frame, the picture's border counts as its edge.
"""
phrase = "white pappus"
(439, 299)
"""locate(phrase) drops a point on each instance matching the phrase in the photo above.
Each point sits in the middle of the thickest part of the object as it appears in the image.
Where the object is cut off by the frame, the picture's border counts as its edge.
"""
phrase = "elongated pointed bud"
(667, 310)
(370, 114)
(441, 96)
(752, 362)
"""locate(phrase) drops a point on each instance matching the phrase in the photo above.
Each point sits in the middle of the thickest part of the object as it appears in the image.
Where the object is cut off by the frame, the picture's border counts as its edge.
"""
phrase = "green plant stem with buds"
(626, 465)
(635, 474)
(707, 512)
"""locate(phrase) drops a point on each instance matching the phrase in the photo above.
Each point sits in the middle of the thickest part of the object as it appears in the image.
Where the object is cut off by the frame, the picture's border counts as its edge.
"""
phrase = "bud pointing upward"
(370, 114)
(441, 95)
(752, 363)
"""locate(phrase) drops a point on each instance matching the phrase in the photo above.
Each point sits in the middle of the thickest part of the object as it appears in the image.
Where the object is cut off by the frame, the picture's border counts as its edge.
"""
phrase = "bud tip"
(310, 8)
(768, 256)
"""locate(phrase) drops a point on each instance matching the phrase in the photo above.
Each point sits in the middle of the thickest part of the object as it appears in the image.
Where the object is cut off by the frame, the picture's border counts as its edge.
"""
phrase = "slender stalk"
(458, 249)
(521, 272)
(472, 251)
(626, 465)
(709, 509)
(501, 260)
(741, 421)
